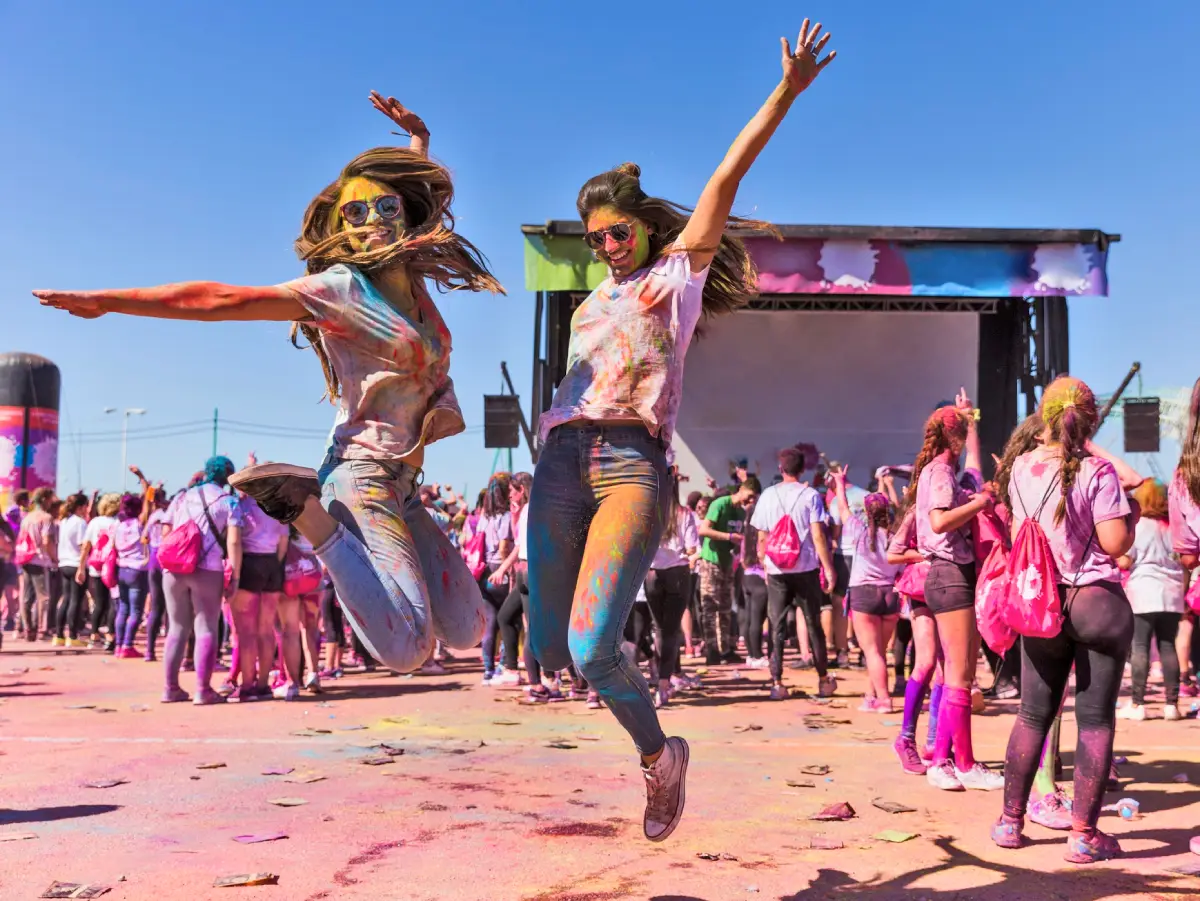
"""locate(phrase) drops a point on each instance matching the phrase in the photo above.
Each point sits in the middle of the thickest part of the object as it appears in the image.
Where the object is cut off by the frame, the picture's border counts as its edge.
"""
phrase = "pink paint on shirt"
(1185, 518)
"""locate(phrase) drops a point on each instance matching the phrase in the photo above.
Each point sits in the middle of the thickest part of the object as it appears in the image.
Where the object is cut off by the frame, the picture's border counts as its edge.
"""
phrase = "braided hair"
(1069, 411)
(1024, 438)
(879, 515)
(947, 424)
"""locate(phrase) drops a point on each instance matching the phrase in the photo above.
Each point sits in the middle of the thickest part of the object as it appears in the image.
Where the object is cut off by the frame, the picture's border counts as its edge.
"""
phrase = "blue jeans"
(132, 588)
(397, 576)
(596, 514)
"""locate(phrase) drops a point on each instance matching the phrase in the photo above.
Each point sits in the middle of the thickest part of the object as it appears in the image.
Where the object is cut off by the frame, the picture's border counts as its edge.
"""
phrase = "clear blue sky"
(157, 142)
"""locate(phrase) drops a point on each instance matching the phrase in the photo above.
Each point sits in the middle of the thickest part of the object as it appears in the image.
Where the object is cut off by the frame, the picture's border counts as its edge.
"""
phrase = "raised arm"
(406, 119)
(974, 457)
(1130, 477)
(839, 487)
(195, 301)
(703, 231)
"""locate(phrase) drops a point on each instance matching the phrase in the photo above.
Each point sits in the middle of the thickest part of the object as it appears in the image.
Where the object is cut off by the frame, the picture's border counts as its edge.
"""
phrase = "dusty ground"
(480, 807)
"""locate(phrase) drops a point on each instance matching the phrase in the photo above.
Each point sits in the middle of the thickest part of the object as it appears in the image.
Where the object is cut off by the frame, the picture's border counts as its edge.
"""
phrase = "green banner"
(560, 263)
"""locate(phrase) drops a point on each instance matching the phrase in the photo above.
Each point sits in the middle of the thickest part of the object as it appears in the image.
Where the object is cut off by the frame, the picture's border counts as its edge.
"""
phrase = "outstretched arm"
(703, 231)
(196, 301)
(406, 119)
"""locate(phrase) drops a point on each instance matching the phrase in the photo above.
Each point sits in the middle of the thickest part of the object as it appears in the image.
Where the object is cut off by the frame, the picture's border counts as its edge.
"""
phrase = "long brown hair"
(733, 278)
(1189, 457)
(1068, 409)
(430, 248)
(945, 424)
(1024, 438)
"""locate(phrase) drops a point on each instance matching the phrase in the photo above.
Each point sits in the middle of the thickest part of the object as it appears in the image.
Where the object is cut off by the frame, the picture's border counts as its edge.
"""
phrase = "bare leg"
(245, 609)
(289, 622)
(269, 606)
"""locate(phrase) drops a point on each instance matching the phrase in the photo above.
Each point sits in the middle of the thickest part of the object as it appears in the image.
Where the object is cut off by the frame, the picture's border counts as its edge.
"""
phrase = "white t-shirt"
(222, 507)
(70, 539)
(99, 525)
(523, 533)
(673, 551)
(805, 506)
(1156, 579)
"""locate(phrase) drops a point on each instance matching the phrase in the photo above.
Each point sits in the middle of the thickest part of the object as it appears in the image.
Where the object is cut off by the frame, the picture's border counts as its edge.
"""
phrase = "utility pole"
(215, 420)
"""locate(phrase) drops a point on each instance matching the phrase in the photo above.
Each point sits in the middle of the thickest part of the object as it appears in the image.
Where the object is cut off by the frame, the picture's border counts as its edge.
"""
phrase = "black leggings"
(333, 627)
(102, 604)
(156, 618)
(638, 629)
(667, 595)
(1096, 634)
(754, 589)
(900, 646)
(494, 597)
(1163, 628)
(804, 591)
(71, 606)
(511, 618)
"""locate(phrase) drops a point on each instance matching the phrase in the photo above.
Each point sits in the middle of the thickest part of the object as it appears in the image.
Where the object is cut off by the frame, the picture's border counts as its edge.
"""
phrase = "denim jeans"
(596, 514)
(132, 587)
(397, 576)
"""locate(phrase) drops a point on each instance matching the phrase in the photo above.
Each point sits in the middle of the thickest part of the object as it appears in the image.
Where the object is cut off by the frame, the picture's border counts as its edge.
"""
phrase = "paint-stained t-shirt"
(394, 368)
(628, 342)
(1185, 518)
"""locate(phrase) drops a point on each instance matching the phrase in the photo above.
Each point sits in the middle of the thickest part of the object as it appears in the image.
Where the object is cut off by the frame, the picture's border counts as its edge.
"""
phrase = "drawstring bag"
(108, 562)
(1193, 596)
(911, 583)
(180, 552)
(991, 600)
(475, 553)
(26, 549)
(301, 573)
(783, 544)
(1032, 606)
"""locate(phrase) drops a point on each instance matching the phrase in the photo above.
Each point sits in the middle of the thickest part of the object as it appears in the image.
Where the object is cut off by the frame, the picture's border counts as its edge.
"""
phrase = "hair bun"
(631, 169)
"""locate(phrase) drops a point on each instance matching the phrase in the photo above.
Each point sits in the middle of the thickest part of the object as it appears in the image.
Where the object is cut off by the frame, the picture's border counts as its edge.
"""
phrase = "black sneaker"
(279, 488)
(712, 658)
(733, 658)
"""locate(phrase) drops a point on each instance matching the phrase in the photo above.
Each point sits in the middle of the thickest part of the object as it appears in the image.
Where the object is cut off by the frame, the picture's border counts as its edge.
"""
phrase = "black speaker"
(501, 420)
(1141, 425)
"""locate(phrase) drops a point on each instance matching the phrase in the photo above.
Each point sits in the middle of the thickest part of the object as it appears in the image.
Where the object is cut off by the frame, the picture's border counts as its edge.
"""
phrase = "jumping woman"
(369, 240)
(601, 492)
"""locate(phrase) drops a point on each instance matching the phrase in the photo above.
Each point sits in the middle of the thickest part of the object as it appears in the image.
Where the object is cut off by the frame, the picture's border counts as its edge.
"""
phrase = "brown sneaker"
(280, 488)
(666, 783)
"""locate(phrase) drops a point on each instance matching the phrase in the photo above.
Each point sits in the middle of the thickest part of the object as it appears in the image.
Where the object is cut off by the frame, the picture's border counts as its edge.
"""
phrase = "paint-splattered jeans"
(596, 517)
(400, 581)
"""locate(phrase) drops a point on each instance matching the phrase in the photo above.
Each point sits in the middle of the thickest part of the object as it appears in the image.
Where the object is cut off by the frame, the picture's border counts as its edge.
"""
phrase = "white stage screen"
(857, 385)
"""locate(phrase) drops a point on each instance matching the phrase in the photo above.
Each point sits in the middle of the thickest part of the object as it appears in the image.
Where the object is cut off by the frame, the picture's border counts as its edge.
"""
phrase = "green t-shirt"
(722, 513)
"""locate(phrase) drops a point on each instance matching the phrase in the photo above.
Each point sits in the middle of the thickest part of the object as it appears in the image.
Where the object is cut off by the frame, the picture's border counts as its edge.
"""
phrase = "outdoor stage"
(859, 332)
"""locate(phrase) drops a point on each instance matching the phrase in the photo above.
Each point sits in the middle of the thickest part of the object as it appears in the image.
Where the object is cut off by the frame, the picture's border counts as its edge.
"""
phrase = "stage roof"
(871, 260)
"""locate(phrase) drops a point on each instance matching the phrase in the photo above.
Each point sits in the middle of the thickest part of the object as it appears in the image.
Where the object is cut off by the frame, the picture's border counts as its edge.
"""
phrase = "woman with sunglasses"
(601, 492)
(370, 239)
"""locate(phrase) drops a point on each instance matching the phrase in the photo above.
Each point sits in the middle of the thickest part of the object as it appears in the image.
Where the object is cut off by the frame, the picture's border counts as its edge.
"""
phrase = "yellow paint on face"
(630, 255)
(368, 190)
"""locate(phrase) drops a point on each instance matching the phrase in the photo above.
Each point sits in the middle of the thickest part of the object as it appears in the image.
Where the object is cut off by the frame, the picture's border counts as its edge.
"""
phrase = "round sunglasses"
(620, 232)
(388, 206)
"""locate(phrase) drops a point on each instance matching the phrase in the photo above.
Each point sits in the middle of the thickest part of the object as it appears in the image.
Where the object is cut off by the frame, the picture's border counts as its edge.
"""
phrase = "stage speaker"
(1141, 425)
(501, 420)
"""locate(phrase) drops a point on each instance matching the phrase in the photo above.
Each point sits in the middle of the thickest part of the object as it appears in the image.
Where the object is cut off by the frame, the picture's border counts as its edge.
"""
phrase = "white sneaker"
(1132, 711)
(506, 678)
(779, 693)
(286, 692)
(758, 663)
(943, 777)
(1171, 713)
(979, 777)
(666, 783)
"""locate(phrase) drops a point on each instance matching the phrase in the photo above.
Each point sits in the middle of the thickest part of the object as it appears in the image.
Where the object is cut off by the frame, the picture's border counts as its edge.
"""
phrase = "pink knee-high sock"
(954, 728)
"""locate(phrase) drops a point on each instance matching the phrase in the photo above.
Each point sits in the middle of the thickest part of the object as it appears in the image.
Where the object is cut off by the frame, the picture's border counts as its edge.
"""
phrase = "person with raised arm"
(601, 492)
(369, 240)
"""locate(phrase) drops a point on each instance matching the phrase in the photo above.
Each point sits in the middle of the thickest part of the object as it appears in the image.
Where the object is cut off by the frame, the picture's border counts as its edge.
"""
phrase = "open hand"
(962, 401)
(801, 68)
(84, 304)
(400, 114)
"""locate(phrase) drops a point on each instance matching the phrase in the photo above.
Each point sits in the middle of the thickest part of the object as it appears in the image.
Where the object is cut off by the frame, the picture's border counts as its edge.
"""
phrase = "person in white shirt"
(1155, 592)
(798, 581)
(99, 527)
(72, 607)
(668, 588)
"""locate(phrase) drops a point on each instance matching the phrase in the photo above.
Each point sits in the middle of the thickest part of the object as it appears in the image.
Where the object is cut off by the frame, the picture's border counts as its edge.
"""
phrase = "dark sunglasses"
(388, 206)
(620, 232)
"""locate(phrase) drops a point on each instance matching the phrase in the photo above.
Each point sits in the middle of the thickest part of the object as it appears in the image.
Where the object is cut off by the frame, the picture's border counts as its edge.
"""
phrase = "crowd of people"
(596, 556)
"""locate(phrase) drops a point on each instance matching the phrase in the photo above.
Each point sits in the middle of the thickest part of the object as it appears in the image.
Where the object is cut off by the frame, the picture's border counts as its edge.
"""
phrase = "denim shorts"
(950, 586)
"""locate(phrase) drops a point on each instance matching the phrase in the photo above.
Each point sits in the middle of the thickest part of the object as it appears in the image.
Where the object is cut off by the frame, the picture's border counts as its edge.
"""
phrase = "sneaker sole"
(267, 470)
(687, 754)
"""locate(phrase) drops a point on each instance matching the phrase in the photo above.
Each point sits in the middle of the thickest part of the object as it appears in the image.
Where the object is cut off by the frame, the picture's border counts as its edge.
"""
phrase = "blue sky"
(157, 142)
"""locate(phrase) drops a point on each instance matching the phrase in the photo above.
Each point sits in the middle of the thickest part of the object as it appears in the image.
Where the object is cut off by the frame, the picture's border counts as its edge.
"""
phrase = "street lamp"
(129, 411)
